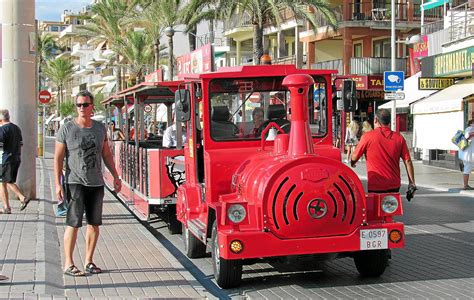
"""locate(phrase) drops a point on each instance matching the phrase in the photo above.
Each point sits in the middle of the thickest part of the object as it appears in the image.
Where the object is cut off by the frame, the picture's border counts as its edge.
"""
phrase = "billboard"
(198, 61)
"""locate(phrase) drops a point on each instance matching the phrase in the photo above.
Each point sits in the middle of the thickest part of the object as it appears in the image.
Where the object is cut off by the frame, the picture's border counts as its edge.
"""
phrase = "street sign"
(394, 96)
(393, 81)
(147, 108)
(44, 97)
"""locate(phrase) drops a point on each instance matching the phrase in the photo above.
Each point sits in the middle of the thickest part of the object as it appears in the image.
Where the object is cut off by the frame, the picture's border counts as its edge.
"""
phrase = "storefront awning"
(412, 93)
(448, 100)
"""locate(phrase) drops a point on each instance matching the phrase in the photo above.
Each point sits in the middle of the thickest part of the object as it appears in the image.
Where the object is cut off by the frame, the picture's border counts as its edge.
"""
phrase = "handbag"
(460, 140)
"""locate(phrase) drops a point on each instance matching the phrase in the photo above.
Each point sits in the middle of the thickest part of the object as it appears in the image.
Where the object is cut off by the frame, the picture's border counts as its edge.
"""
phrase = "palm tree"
(108, 24)
(46, 49)
(59, 71)
(135, 47)
(194, 13)
(265, 12)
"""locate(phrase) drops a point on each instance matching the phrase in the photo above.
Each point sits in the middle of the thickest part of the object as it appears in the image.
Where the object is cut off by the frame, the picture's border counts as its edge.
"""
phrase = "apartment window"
(382, 48)
(358, 50)
(54, 28)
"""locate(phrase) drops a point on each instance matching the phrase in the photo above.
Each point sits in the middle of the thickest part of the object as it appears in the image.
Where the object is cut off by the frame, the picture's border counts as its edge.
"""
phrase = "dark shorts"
(10, 171)
(386, 191)
(88, 199)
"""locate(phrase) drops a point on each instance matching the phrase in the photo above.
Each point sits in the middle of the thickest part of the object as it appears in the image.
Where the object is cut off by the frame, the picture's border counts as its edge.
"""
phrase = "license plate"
(371, 239)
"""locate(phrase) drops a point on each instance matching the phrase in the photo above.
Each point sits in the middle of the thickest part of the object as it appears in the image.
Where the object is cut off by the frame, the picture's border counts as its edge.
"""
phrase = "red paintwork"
(277, 186)
(161, 185)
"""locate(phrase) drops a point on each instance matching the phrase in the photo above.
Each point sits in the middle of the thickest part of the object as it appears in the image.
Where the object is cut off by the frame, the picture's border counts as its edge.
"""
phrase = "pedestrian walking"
(10, 137)
(83, 142)
(467, 155)
(366, 127)
(351, 140)
(383, 149)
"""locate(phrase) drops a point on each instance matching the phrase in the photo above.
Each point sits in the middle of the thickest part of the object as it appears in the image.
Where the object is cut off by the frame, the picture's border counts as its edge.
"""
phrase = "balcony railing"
(238, 21)
(375, 65)
(286, 60)
(335, 64)
(381, 11)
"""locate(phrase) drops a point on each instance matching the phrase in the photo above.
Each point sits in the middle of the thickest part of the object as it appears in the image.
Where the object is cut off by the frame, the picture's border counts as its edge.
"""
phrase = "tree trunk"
(157, 54)
(192, 39)
(170, 59)
(257, 43)
(60, 95)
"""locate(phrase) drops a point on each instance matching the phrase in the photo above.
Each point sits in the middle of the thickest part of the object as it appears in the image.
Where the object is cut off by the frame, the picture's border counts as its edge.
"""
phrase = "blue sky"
(51, 10)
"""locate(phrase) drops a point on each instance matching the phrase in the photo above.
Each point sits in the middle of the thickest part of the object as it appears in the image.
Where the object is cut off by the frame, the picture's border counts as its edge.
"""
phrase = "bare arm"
(109, 163)
(59, 153)
(410, 171)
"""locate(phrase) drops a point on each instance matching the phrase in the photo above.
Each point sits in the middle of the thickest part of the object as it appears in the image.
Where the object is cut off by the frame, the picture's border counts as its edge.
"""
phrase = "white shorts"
(467, 167)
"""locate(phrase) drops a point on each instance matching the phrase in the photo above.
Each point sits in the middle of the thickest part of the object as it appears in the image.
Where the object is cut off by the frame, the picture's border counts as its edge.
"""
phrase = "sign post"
(44, 98)
(393, 81)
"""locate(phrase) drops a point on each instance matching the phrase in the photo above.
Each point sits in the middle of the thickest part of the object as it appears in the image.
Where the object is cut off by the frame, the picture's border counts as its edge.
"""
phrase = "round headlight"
(389, 204)
(236, 213)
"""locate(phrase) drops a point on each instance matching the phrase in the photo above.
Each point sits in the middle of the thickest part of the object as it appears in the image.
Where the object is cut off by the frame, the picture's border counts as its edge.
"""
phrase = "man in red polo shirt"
(383, 149)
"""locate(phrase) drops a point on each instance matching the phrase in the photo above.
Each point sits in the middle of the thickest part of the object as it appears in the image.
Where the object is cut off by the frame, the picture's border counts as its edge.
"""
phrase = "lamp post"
(169, 31)
(393, 59)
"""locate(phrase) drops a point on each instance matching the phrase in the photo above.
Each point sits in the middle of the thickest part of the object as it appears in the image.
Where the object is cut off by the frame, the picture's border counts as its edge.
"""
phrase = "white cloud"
(51, 10)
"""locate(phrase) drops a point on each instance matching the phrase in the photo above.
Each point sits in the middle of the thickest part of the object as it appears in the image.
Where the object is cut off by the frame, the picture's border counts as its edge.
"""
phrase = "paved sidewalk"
(135, 264)
(435, 178)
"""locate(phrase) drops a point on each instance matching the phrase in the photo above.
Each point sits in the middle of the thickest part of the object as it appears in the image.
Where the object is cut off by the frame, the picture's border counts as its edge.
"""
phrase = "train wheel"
(174, 226)
(193, 247)
(228, 273)
(371, 263)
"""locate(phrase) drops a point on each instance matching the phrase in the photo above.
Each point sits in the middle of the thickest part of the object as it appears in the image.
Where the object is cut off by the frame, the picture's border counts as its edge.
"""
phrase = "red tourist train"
(250, 190)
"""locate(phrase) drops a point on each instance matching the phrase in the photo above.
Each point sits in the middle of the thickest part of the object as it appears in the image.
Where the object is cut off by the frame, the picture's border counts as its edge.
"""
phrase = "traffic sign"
(44, 97)
(394, 96)
(393, 81)
(147, 108)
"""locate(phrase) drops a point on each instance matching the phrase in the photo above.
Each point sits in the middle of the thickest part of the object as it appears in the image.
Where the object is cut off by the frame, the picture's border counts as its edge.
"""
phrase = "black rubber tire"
(174, 226)
(193, 247)
(371, 263)
(228, 273)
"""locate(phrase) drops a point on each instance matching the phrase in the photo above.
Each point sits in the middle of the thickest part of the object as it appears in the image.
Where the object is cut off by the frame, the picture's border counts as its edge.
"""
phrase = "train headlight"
(236, 213)
(389, 204)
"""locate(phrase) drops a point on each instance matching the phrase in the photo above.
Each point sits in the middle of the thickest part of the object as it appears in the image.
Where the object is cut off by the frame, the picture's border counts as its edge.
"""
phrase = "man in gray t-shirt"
(83, 142)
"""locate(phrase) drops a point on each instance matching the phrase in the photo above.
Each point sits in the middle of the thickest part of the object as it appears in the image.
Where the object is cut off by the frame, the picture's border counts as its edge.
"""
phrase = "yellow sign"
(434, 83)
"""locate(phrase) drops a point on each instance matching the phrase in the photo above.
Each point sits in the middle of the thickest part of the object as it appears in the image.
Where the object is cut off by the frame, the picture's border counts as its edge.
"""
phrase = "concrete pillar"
(237, 53)
(281, 45)
(17, 81)
(298, 48)
(311, 54)
(347, 53)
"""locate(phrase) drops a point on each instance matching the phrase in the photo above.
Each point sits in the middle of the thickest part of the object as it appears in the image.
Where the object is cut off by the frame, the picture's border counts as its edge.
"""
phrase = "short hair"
(4, 115)
(470, 122)
(85, 93)
(383, 115)
(257, 110)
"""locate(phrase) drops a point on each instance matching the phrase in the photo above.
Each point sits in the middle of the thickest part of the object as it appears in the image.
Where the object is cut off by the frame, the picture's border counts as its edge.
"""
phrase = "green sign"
(432, 4)
(456, 63)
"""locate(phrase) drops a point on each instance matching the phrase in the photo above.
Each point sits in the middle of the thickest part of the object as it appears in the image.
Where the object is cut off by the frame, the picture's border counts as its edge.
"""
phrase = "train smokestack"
(301, 142)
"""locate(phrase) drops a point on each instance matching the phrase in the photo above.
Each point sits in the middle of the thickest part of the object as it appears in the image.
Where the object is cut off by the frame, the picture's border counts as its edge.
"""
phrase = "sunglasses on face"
(83, 104)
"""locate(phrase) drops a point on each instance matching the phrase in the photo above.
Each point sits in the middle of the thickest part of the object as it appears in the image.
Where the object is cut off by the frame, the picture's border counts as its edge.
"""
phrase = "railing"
(238, 21)
(381, 11)
(335, 64)
(375, 65)
(81, 47)
(286, 60)
(321, 19)
(461, 22)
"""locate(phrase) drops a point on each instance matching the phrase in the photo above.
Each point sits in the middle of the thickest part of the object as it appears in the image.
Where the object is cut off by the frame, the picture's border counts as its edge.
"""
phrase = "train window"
(241, 108)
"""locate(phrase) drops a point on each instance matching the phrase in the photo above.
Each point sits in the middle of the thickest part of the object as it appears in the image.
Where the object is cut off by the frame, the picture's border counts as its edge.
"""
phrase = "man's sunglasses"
(83, 104)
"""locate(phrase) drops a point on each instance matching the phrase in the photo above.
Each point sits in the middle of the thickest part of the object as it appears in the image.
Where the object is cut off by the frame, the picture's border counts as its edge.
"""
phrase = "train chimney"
(301, 142)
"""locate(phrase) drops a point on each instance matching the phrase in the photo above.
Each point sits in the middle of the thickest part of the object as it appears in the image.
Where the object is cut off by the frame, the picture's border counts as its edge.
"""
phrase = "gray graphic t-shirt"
(83, 152)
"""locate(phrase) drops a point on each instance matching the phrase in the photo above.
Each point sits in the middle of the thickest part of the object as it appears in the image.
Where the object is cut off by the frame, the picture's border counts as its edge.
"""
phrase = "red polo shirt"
(383, 149)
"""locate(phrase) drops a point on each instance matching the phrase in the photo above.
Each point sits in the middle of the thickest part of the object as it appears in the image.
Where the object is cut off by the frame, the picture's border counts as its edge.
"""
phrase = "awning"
(412, 93)
(109, 87)
(49, 119)
(448, 100)
(56, 119)
(434, 131)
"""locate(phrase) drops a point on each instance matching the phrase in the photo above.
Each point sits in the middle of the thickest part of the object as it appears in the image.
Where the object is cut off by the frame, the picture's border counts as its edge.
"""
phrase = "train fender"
(188, 202)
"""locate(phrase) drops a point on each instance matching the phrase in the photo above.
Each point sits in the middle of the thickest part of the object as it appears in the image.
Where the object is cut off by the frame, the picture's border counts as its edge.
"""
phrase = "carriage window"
(241, 109)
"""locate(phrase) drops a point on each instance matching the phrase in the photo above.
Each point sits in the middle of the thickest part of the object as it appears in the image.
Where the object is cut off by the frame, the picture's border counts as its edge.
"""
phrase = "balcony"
(363, 65)
(73, 30)
(375, 65)
(80, 49)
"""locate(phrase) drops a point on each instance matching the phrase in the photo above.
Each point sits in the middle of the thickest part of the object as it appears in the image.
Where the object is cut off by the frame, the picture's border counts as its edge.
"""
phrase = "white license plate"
(371, 239)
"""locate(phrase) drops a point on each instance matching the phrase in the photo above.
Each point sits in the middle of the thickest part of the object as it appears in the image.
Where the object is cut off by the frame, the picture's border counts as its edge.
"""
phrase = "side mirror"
(349, 95)
(182, 100)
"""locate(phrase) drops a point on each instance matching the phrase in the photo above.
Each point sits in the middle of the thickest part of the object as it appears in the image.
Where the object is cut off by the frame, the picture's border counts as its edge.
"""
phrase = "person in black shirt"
(10, 137)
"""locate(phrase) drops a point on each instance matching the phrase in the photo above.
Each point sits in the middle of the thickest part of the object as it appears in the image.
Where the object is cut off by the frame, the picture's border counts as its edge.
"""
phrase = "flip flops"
(24, 203)
(91, 268)
(74, 271)
(5, 211)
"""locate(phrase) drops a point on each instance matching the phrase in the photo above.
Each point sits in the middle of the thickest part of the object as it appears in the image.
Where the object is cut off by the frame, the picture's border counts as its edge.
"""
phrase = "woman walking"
(467, 155)
(351, 138)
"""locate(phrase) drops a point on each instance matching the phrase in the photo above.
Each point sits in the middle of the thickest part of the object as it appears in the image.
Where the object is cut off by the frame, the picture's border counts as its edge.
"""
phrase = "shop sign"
(156, 76)
(454, 63)
(421, 49)
(375, 82)
(198, 61)
(361, 81)
(429, 83)
(370, 95)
